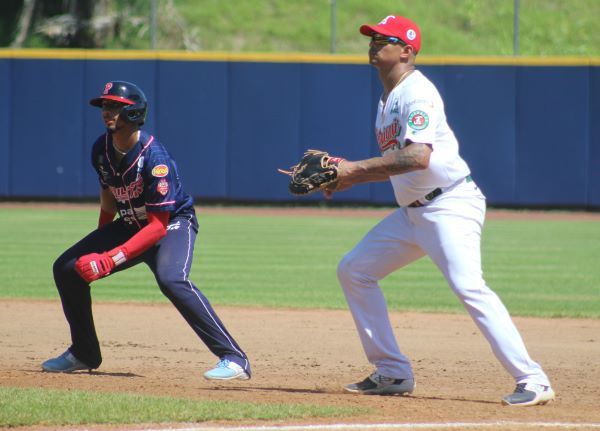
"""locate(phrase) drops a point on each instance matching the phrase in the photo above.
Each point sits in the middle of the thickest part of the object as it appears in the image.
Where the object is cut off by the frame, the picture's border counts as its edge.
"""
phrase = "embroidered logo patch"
(418, 120)
(160, 171)
(162, 187)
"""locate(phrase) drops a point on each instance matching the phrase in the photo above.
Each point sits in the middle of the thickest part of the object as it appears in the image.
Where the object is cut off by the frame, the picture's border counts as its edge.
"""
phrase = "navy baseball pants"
(170, 260)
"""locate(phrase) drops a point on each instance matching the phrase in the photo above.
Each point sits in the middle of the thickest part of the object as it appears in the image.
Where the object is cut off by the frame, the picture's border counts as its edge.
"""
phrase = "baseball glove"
(315, 171)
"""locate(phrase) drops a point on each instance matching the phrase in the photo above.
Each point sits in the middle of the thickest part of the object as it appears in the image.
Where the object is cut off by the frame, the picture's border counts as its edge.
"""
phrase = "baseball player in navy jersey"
(156, 225)
(441, 215)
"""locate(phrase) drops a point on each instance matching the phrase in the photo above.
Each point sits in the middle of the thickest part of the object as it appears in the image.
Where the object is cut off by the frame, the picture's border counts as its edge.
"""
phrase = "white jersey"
(414, 111)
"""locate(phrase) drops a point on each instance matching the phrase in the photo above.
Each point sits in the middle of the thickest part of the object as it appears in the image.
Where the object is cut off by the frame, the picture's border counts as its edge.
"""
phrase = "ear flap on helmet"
(135, 113)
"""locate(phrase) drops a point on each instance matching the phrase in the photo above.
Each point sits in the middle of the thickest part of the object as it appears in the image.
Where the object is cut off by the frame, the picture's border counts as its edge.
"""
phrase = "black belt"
(429, 196)
(434, 194)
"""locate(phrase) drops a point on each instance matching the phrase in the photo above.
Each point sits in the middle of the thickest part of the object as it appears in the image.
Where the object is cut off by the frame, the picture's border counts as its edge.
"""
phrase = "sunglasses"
(386, 40)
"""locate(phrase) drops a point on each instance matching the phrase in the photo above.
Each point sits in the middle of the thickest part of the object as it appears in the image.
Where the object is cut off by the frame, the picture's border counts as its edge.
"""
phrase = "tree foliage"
(93, 24)
(64, 23)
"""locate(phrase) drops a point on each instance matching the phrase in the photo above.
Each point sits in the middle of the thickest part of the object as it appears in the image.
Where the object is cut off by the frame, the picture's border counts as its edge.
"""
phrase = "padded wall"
(529, 133)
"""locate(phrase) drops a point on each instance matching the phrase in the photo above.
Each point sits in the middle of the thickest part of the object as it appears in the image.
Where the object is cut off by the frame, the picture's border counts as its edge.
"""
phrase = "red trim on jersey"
(139, 155)
(160, 204)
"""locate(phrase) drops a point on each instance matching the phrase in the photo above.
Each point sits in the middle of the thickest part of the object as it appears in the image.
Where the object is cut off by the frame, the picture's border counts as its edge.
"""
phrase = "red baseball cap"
(396, 26)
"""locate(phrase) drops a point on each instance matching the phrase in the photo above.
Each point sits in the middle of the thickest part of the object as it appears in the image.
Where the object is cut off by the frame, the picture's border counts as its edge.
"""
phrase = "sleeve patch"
(160, 171)
(162, 187)
(418, 120)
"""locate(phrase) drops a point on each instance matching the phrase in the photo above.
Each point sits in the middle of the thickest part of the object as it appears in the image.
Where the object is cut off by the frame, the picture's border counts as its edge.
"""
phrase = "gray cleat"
(376, 384)
(529, 394)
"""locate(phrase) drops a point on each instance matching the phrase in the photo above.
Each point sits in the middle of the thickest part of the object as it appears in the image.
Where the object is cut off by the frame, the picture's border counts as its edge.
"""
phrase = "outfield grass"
(539, 268)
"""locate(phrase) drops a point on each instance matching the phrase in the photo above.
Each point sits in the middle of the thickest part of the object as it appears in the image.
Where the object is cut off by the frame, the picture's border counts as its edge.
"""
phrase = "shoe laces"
(223, 363)
(379, 379)
(520, 388)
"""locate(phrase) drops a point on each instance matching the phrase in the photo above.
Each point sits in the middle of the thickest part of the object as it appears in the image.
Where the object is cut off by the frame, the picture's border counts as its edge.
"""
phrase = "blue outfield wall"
(530, 130)
(5, 128)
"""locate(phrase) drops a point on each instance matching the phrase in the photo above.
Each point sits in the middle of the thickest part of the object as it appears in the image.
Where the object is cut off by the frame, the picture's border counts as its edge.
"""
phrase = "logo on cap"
(411, 34)
(384, 21)
(107, 87)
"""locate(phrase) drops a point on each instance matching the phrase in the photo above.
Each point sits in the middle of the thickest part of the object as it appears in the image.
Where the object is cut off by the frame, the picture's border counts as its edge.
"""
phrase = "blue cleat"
(226, 370)
(65, 363)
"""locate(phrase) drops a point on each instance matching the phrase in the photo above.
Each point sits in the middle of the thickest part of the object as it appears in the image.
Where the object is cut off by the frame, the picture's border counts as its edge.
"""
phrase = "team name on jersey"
(131, 191)
(130, 215)
(387, 136)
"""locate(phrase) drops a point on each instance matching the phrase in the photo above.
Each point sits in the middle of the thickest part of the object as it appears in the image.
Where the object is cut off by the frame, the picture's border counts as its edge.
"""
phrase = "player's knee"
(347, 269)
(168, 281)
(343, 268)
(352, 270)
(65, 276)
(62, 266)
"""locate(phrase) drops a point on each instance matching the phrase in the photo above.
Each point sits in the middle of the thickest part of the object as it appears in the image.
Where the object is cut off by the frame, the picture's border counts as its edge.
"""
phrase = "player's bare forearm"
(413, 157)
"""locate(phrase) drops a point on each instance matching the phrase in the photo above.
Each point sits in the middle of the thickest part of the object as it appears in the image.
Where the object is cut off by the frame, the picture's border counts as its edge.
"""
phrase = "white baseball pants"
(449, 231)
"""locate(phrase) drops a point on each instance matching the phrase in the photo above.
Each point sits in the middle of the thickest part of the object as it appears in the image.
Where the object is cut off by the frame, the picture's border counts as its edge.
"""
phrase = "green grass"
(538, 268)
(31, 406)
(450, 27)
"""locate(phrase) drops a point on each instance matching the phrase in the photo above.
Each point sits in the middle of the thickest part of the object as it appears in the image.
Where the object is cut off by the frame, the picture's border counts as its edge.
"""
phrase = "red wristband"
(336, 160)
(118, 255)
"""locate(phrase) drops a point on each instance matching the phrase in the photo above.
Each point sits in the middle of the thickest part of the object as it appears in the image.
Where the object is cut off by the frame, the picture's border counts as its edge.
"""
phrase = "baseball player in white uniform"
(441, 215)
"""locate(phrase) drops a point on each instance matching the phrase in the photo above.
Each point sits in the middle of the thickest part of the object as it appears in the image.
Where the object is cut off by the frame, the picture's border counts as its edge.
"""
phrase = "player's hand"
(94, 266)
(343, 182)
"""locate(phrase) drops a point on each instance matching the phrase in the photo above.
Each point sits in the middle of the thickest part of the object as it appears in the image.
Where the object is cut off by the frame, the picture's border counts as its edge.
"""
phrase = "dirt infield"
(307, 356)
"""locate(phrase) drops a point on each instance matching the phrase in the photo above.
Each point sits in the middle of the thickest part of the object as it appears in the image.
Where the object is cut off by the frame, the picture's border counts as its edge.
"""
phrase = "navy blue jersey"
(145, 180)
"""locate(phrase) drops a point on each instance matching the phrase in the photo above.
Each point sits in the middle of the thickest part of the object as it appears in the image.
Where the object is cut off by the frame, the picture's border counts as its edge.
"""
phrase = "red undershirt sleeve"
(105, 217)
(146, 237)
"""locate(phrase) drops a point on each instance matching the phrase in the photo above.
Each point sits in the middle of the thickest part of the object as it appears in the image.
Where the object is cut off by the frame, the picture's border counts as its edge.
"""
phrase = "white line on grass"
(409, 426)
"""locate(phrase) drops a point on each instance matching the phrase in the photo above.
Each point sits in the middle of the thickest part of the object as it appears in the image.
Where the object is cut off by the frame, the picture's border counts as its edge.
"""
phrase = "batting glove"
(94, 266)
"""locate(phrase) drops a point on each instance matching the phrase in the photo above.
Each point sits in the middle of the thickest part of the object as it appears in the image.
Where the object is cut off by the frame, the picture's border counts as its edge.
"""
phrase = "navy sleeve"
(161, 181)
